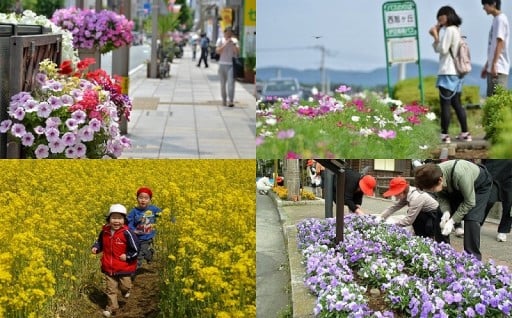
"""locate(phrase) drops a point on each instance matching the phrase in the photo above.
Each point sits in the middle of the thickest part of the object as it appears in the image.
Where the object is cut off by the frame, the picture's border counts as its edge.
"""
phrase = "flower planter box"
(22, 47)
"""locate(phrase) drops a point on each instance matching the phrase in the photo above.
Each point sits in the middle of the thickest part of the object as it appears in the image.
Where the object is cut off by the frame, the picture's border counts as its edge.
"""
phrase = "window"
(384, 164)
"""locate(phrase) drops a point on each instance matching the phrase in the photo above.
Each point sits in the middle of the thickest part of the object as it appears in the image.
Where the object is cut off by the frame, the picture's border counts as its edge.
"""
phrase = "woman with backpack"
(447, 38)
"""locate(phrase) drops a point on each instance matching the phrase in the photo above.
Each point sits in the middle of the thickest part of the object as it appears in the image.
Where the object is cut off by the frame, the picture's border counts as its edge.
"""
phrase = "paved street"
(291, 213)
(182, 116)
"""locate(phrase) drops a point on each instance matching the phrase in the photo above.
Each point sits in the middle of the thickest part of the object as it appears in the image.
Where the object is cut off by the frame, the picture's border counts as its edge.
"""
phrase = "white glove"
(447, 228)
(391, 220)
(444, 218)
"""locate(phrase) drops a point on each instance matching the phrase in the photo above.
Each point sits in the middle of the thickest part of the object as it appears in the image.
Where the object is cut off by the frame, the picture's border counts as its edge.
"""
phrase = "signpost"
(401, 36)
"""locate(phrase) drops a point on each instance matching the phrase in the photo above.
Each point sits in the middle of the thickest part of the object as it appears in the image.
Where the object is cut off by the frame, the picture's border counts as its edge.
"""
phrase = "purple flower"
(52, 134)
(5, 125)
(67, 100)
(80, 150)
(30, 105)
(56, 146)
(85, 134)
(18, 130)
(39, 130)
(27, 139)
(480, 309)
(18, 114)
(80, 116)
(343, 89)
(55, 102)
(44, 110)
(68, 138)
(42, 151)
(71, 123)
(95, 124)
(70, 153)
(53, 122)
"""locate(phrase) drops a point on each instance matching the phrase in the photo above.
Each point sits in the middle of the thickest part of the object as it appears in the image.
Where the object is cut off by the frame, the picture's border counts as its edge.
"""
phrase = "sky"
(352, 32)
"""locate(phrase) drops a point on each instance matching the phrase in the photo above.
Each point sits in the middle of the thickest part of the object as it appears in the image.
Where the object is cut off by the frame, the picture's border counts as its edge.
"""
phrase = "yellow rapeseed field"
(53, 210)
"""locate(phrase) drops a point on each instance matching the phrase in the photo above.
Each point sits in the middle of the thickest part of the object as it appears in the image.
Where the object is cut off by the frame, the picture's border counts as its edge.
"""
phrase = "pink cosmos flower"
(286, 134)
(387, 134)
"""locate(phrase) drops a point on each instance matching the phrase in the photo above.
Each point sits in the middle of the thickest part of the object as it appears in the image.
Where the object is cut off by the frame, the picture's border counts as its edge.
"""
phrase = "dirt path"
(143, 300)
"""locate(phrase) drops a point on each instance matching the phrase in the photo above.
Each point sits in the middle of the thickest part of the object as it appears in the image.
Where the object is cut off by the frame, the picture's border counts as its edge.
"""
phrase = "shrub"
(502, 149)
(494, 112)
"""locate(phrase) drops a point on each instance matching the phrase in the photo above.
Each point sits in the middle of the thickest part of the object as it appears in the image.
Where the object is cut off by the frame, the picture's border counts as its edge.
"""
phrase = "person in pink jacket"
(120, 249)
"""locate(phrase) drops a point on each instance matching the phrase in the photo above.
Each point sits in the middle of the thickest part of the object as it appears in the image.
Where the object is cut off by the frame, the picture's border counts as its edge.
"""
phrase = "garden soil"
(143, 300)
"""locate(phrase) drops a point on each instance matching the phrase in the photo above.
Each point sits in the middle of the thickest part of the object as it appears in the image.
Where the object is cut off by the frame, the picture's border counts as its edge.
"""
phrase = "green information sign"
(401, 35)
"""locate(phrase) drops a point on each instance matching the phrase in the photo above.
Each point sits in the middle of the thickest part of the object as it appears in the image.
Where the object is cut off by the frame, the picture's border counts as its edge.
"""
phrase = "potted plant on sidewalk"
(250, 68)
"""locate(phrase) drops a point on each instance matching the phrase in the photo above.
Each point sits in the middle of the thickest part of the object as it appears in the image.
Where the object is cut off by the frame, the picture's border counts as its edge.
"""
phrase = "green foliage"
(494, 109)
(408, 91)
(502, 149)
(48, 7)
(6, 6)
(166, 24)
(186, 18)
(250, 62)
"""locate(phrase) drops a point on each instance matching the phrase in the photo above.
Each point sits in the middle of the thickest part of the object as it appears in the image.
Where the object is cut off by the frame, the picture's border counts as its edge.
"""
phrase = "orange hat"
(367, 184)
(396, 186)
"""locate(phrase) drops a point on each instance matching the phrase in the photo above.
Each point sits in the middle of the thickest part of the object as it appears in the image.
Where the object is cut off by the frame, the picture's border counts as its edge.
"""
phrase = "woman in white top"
(448, 81)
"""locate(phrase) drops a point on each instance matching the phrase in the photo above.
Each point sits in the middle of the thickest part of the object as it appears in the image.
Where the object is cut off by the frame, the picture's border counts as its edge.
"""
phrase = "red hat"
(367, 184)
(145, 190)
(396, 186)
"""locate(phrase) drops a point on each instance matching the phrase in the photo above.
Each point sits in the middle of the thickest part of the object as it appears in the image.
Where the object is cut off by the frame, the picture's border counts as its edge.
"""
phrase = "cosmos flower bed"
(416, 277)
(344, 126)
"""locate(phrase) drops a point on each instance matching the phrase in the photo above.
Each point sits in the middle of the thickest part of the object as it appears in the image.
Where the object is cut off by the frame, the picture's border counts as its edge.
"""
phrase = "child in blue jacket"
(141, 221)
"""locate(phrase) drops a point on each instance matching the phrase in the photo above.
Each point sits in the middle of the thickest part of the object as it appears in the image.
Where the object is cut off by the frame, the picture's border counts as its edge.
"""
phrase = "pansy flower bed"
(344, 126)
(416, 277)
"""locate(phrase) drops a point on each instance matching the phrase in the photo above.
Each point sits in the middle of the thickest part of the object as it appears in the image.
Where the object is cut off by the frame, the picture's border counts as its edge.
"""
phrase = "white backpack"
(462, 59)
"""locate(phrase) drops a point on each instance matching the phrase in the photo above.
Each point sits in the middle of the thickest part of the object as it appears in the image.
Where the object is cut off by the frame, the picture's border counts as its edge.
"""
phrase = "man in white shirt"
(227, 48)
(497, 66)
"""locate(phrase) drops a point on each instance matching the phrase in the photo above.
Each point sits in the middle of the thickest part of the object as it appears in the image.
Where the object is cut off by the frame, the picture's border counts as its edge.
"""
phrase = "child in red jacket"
(120, 249)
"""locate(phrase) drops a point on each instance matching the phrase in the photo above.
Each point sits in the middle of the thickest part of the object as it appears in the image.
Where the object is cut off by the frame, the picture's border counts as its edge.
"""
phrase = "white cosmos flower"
(406, 128)
(271, 121)
(355, 118)
(431, 116)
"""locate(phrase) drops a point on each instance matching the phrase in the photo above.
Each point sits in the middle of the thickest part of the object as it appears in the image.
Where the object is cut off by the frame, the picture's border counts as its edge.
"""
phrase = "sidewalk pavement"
(183, 117)
(291, 213)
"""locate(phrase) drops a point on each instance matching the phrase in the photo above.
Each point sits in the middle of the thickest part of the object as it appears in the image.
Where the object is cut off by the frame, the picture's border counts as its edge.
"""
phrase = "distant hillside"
(368, 79)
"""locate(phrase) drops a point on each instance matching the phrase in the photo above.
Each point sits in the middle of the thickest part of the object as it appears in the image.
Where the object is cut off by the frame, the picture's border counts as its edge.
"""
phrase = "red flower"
(83, 64)
(66, 67)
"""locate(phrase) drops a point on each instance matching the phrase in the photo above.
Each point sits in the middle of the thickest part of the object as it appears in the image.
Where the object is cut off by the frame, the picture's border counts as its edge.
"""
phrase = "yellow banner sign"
(250, 12)
(226, 15)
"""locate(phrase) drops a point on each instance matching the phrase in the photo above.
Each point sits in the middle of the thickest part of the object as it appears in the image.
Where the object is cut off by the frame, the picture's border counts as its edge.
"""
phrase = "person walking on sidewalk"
(497, 66)
(227, 48)
(501, 171)
(204, 43)
(423, 211)
(463, 189)
(448, 81)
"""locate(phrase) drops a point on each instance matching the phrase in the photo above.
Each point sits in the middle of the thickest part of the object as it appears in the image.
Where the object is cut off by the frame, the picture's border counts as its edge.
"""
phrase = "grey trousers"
(226, 78)
(492, 82)
(146, 252)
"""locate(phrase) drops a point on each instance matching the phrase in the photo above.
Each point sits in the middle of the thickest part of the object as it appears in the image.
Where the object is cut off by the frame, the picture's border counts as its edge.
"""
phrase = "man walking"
(227, 48)
(497, 66)
(204, 42)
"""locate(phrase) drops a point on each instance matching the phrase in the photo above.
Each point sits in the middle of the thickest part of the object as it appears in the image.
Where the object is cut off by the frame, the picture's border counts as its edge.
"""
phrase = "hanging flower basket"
(104, 30)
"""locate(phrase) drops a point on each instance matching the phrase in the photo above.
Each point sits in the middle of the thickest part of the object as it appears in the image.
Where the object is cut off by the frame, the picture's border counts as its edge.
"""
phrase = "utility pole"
(323, 77)
(121, 61)
(154, 22)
